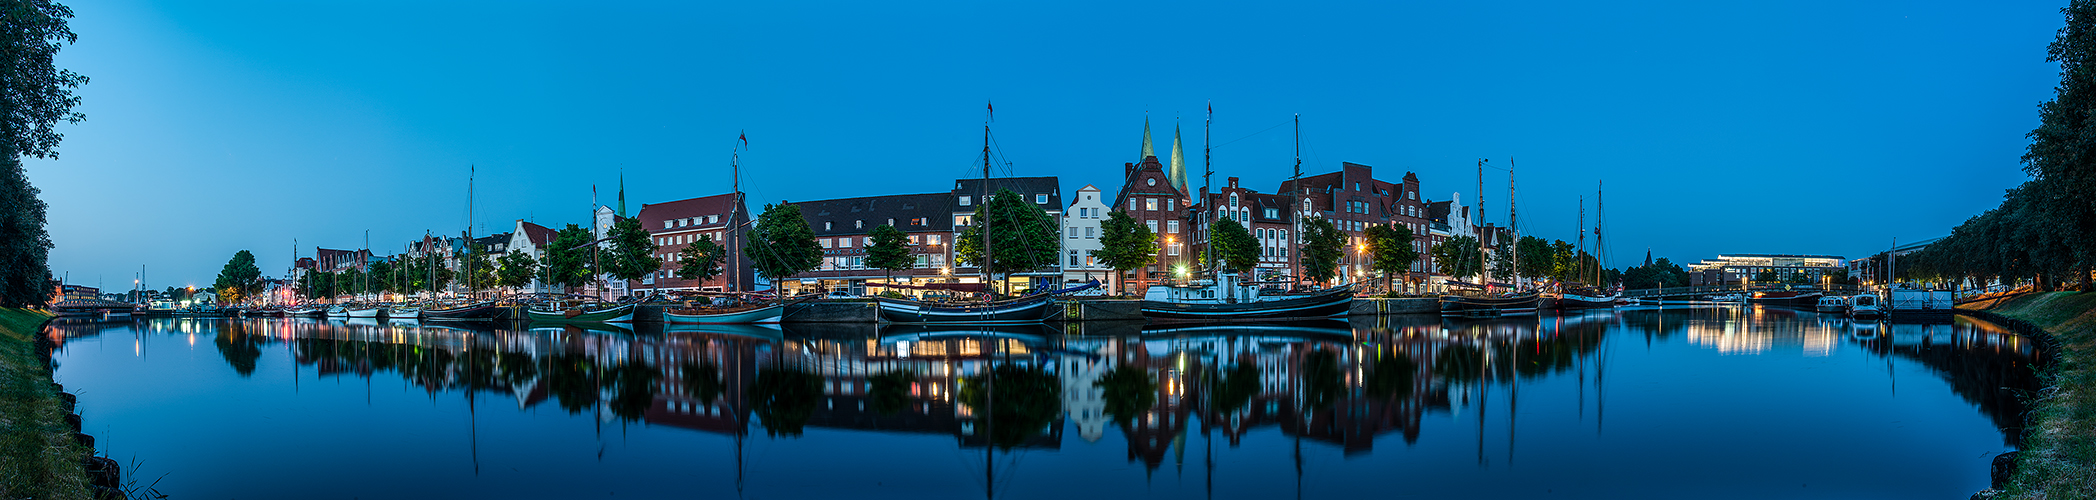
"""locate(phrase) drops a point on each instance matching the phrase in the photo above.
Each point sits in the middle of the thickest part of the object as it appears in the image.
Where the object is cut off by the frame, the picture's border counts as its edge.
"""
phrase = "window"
(1151, 181)
(859, 224)
(1357, 186)
(1306, 205)
(713, 219)
(1073, 233)
(1073, 258)
(1171, 227)
(843, 242)
(1149, 203)
(1131, 204)
(913, 239)
(1170, 204)
(1273, 213)
(965, 200)
(959, 220)
(1172, 250)
(1284, 234)
(669, 224)
(1153, 226)
(1089, 232)
(826, 225)
(824, 241)
(869, 241)
(1040, 199)
(891, 222)
(933, 238)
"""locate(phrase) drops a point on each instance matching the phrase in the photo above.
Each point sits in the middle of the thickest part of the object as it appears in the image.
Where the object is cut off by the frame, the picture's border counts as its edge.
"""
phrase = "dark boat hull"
(1327, 304)
(1024, 311)
(1797, 300)
(1489, 307)
(480, 311)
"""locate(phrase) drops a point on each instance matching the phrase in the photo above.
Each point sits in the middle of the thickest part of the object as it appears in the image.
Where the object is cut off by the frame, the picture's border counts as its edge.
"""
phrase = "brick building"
(843, 228)
(675, 225)
(1266, 216)
(1353, 199)
(1147, 195)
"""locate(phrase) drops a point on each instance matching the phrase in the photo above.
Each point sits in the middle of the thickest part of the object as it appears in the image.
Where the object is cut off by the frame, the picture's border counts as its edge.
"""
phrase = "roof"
(538, 234)
(652, 215)
(492, 239)
(1025, 186)
(860, 215)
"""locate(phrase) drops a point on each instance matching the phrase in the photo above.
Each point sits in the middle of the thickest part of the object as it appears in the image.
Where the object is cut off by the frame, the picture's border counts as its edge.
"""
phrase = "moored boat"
(336, 312)
(1024, 310)
(725, 316)
(366, 311)
(1864, 306)
(1216, 301)
(1489, 307)
(1807, 299)
(1583, 299)
(473, 311)
(585, 313)
(1831, 304)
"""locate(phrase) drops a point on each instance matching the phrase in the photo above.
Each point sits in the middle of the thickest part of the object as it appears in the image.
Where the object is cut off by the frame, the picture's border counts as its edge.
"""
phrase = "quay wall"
(1384, 307)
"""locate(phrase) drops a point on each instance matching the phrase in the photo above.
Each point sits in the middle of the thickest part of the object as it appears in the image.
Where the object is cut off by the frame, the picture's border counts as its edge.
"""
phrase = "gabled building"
(1147, 194)
(1266, 216)
(843, 228)
(676, 225)
(1353, 199)
(1044, 193)
(531, 239)
(1081, 231)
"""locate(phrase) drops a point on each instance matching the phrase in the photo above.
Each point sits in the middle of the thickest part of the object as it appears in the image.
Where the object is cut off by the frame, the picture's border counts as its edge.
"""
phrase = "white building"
(1081, 233)
(531, 239)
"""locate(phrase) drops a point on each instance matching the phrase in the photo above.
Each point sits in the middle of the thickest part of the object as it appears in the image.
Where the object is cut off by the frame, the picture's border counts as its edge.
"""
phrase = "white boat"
(1864, 306)
(1228, 299)
(1728, 298)
(367, 312)
(1831, 304)
(338, 312)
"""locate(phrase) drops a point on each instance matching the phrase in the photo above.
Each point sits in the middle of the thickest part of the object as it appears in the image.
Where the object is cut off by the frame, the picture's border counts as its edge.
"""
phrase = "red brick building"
(1266, 216)
(675, 225)
(1353, 199)
(1148, 196)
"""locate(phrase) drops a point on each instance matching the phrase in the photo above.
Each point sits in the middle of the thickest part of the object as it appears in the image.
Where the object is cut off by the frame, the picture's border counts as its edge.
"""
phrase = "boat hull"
(1326, 304)
(480, 311)
(374, 312)
(620, 314)
(761, 315)
(1577, 301)
(1796, 300)
(1018, 312)
(1489, 307)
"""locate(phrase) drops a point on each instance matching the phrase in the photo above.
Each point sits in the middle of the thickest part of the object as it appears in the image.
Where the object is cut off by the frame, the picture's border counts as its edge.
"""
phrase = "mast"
(1295, 204)
(1579, 260)
(1514, 246)
(1208, 171)
(1600, 249)
(1484, 274)
(470, 171)
(734, 210)
(987, 278)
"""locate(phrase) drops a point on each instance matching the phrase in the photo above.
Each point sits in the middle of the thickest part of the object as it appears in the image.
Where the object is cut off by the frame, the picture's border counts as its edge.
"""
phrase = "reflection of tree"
(1026, 399)
(517, 368)
(632, 389)
(891, 391)
(1129, 392)
(784, 399)
(1235, 387)
(239, 349)
(702, 381)
(572, 379)
(1323, 385)
(1390, 377)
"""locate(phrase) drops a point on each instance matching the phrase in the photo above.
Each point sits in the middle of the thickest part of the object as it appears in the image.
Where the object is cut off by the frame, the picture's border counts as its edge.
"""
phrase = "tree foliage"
(1323, 244)
(480, 270)
(239, 279)
(700, 260)
(518, 268)
(1022, 236)
(631, 255)
(782, 245)
(568, 262)
(1457, 257)
(890, 250)
(1660, 273)
(1125, 244)
(35, 95)
(1390, 250)
(1234, 247)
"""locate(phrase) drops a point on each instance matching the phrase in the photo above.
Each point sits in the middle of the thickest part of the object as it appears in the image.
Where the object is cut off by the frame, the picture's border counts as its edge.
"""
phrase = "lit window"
(1040, 199)
(859, 224)
(965, 200)
(843, 242)
(825, 225)
(825, 242)
(1149, 203)
(934, 239)
(1153, 226)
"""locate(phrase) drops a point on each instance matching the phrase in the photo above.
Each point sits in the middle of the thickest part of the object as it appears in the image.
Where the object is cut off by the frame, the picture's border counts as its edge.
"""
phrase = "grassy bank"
(38, 456)
(2058, 458)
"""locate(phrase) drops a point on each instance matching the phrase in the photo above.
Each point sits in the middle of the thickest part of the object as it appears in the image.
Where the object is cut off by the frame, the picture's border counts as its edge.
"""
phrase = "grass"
(38, 457)
(2058, 459)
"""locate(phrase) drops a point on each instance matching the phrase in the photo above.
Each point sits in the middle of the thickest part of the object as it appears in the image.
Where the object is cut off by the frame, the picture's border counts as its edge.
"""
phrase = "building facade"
(843, 228)
(676, 225)
(1755, 268)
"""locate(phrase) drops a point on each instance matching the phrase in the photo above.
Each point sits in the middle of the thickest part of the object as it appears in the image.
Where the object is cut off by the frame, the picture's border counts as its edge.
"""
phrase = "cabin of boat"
(1227, 299)
(1831, 304)
(1864, 306)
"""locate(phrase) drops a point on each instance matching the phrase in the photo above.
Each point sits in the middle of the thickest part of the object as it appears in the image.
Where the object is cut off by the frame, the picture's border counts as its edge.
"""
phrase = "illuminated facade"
(1749, 268)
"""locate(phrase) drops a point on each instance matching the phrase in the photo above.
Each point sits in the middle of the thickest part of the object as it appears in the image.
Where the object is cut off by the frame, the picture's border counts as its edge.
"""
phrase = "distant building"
(1081, 231)
(843, 228)
(676, 225)
(1353, 199)
(1739, 269)
(531, 239)
(1044, 193)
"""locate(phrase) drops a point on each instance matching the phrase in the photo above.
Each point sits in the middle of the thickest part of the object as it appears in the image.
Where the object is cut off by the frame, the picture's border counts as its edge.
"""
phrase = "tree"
(1233, 246)
(2061, 158)
(425, 273)
(890, 251)
(240, 278)
(568, 262)
(1537, 258)
(782, 245)
(35, 95)
(1022, 236)
(632, 252)
(1457, 257)
(1767, 276)
(480, 270)
(1125, 244)
(1390, 251)
(1323, 244)
(518, 268)
(701, 260)
(1563, 264)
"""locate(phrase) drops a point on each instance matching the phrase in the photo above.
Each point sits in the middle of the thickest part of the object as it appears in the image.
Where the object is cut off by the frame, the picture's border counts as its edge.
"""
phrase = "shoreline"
(43, 454)
(2058, 455)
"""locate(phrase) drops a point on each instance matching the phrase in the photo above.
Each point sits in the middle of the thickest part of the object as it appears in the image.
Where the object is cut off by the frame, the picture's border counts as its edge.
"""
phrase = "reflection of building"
(1739, 269)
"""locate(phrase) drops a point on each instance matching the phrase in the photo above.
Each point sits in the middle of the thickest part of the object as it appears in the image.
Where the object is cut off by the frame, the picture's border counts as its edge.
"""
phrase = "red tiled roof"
(652, 215)
(538, 234)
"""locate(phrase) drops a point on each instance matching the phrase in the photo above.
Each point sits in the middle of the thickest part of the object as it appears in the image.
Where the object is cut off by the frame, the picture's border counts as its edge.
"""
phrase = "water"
(1705, 402)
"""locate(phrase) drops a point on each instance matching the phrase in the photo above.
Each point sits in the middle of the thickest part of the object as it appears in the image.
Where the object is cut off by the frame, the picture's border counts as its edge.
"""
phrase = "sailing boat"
(1029, 309)
(735, 309)
(1484, 305)
(1229, 298)
(1578, 296)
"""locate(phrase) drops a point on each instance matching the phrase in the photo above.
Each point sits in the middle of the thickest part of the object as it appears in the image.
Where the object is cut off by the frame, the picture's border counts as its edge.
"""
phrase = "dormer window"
(891, 222)
(965, 200)
(859, 224)
(1040, 199)
(825, 225)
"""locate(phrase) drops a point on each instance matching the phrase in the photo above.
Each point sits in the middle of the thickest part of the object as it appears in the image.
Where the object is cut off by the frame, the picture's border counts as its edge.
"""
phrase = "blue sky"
(1765, 127)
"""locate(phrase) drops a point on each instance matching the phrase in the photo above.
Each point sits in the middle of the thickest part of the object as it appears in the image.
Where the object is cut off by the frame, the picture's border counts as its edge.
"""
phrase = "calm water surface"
(1703, 402)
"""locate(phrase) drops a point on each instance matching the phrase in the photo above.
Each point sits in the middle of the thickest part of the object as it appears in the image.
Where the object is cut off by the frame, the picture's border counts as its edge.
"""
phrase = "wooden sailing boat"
(1587, 295)
(1515, 303)
(739, 310)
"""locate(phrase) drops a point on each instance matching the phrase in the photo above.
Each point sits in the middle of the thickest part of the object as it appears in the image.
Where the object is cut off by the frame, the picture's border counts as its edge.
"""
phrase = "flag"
(992, 107)
(745, 138)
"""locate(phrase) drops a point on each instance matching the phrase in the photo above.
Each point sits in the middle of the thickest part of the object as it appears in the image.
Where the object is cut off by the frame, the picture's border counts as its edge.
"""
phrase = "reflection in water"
(1332, 382)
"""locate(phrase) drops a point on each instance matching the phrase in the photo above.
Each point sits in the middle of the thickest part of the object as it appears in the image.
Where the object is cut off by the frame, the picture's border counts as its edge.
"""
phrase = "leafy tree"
(700, 260)
(1767, 276)
(35, 95)
(240, 278)
(1390, 251)
(890, 251)
(480, 270)
(2058, 229)
(1234, 247)
(1457, 257)
(782, 245)
(1661, 273)
(518, 268)
(1323, 244)
(1125, 244)
(425, 273)
(568, 262)
(1563, 264)
(1538, 260)
(632, 252)
(1023, 236)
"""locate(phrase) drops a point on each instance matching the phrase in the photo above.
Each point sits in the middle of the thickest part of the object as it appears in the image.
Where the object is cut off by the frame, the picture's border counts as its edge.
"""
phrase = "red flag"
(992, 108)
(745, 138)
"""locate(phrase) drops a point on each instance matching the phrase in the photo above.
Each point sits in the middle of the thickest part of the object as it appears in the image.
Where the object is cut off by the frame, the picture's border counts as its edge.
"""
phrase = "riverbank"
(2058, 456)
(39, 457)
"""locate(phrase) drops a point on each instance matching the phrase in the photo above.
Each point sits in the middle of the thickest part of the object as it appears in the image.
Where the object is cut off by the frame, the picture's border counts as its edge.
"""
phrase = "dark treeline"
(2044, 232)
(35, 95)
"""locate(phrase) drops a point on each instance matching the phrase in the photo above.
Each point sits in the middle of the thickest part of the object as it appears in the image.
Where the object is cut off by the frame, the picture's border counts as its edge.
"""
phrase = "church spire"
(1147, 151)
(622, 192)
(1178, 172)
